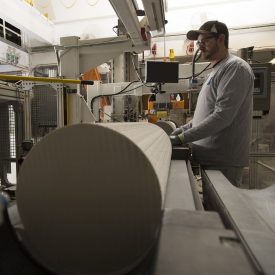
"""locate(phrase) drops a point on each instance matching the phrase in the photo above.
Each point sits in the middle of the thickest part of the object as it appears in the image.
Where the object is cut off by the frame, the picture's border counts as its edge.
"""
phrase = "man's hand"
(177, 137)
(177, 132)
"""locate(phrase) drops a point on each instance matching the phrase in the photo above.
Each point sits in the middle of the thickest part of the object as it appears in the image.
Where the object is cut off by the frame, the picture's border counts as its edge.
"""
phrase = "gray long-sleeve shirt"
(221, 126)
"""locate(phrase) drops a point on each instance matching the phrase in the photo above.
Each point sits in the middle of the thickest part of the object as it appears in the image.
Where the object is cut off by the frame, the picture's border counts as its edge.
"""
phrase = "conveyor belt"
(243, 211)
(179, 192)
(194, 242)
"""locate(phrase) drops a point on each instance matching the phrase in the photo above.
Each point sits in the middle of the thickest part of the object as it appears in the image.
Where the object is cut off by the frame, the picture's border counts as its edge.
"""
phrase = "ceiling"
(181, 14)
(96, 18)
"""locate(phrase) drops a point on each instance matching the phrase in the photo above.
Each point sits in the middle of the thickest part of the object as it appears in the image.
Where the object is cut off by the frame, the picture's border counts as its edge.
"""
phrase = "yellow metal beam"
(45, 79)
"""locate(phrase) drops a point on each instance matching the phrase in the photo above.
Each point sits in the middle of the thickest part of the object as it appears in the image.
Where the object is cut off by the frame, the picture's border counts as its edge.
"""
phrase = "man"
(221, 126)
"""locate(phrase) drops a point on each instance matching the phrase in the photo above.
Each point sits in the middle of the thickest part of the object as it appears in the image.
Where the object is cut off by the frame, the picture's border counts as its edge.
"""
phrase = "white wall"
(83, 18)
(60, 11)
(185, 15)
(95, 18)
(28, 19)
(85, 29)
(259, 38)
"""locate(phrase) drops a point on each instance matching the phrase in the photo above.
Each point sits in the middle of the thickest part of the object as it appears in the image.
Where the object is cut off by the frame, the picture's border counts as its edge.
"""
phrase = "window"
(10, 32)
(1, 28)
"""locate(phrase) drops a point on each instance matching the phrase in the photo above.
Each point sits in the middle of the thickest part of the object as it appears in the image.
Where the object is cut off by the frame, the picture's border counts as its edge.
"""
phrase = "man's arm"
(231, 92)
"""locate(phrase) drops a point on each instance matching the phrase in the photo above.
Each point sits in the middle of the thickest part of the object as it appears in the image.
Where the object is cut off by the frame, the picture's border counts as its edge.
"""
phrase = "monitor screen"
(262, 86)
(161, 72)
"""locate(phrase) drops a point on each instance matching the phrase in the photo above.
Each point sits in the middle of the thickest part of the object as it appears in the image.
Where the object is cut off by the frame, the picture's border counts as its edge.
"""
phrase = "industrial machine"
(214, 230)
(116, 198)
(130, 205)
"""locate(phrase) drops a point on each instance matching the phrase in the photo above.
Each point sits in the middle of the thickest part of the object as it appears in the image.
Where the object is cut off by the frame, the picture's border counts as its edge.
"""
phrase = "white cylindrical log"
(90, 196)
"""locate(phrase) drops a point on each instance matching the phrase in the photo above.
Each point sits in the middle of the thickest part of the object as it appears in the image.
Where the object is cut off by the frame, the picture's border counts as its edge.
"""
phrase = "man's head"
(212, 39)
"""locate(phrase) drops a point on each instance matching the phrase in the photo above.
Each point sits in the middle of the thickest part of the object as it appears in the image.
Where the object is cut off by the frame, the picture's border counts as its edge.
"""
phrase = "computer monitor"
(262, 86)
(161, 72)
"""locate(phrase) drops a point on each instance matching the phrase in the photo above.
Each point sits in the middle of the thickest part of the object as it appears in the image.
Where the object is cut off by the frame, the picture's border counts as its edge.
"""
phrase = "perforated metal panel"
(43, 110)
(12, 131)
(10, 136)
(4, 132)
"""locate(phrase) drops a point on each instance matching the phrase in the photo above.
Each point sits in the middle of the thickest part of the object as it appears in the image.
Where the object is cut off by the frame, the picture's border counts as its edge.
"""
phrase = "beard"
(209, 54)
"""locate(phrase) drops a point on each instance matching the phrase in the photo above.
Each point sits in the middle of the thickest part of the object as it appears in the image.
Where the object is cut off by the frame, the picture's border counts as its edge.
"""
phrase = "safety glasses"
(205, 40)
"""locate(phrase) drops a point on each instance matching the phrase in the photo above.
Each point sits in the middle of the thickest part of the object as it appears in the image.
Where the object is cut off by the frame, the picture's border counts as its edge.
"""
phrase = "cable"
(198, 57)
(115, 27)
(206, 68)
(115, 119)
(94, 98)
(136, 70)
(196, 75)
(124, 92)
(194, 60)
(121, 92)
(58, 61)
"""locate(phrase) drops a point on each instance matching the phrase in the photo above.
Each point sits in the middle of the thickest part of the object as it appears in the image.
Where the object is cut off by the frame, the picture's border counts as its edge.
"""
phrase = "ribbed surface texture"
(90, 196)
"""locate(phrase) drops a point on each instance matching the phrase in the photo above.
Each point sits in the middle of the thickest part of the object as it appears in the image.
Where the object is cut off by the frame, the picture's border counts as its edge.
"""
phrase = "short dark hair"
(210, 27)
